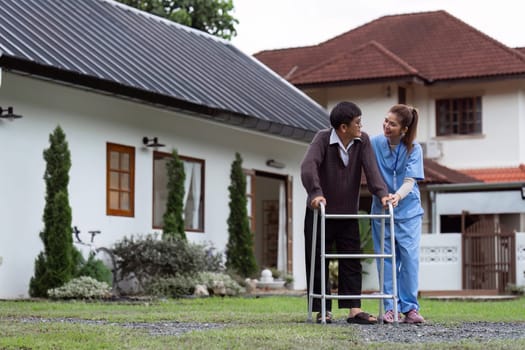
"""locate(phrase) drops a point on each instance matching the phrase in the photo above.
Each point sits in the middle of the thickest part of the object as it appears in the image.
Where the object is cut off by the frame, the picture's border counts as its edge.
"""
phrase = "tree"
(211, 16)
(173, 217)
(55, 265)
(239, 249)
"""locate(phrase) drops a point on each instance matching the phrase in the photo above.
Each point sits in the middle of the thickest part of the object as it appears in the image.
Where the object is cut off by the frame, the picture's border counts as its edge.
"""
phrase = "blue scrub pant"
(407, 238)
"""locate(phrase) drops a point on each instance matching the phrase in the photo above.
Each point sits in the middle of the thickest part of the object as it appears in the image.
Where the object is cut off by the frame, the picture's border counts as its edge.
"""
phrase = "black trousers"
(343, 236)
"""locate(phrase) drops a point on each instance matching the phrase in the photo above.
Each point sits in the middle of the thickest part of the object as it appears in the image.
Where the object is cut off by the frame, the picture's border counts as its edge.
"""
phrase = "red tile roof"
(516, 174)
(439, 174)
(357, 65)
(521, 49)
(436, 173)
(429, 45)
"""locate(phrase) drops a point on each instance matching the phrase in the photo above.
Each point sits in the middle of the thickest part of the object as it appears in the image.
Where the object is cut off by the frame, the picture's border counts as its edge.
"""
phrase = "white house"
(117, 79)
(470, 93)
(128, 87)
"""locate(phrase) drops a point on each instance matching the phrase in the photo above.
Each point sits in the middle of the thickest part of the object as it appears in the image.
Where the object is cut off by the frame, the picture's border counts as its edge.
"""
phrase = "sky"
(275, 24)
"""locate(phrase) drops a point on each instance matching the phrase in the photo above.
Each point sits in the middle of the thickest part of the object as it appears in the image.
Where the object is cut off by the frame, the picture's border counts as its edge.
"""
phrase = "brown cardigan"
(323, 173)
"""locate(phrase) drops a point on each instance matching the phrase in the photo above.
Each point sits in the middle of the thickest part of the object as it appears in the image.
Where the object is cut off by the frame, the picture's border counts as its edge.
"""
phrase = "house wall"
(440, 264)
(520, 259)
(499, 143)
(89, 121)
(502, 142)
(481, 202)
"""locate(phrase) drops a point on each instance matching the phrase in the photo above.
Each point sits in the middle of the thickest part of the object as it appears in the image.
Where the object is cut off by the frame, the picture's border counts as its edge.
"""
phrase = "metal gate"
(489, 256)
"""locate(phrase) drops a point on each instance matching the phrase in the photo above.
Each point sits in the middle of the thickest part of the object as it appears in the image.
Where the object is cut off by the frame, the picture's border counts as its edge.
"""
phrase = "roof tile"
(499, 175)
(437, 45)
(357, 65)
(436, 173)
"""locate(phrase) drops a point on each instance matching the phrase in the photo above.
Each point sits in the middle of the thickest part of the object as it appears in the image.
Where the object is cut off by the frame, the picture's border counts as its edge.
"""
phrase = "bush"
(173, 217)
(239, 249)
(95, 269)
(174, 287)
(219, 283)
(149, 258)
(179, 286)
(54, 266)
(514, 289)
(81, 288)
(276, 274)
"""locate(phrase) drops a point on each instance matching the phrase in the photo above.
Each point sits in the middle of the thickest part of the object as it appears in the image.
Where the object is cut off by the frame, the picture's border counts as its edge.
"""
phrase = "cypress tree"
(55, 265)
(239, 249)
(173, 216)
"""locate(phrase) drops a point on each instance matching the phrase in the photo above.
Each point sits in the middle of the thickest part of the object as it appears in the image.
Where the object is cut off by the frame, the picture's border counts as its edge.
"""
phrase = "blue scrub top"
(395, 165)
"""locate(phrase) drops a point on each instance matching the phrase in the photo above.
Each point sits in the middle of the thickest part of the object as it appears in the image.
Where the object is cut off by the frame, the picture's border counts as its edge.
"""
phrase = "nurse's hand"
(396, 197)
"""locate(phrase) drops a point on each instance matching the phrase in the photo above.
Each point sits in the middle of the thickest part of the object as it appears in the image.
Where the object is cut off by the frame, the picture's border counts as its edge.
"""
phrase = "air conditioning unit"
(432, 149)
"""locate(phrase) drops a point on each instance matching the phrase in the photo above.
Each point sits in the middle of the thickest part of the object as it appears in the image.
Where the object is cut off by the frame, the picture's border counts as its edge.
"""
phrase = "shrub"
(81, 288)
(174, 287)
(173, 216)
(148, 258)
(515, 289)
(239, 249)
(215, 282)
(276, 274)
(288, 280)
(95, 269)
(54, 266)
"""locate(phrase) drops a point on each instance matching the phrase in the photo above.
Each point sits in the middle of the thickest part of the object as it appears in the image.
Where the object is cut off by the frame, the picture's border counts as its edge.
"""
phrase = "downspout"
(433, 212)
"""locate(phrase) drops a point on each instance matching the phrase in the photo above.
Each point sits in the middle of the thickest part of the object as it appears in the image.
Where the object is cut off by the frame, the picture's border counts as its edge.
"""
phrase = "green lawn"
(243, 323)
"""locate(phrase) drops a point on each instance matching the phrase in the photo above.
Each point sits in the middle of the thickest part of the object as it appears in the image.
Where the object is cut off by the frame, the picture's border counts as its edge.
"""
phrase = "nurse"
(400, 161)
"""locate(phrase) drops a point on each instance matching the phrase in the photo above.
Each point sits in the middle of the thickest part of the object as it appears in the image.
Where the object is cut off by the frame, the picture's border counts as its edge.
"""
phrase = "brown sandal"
(328, 317)
(362, 318)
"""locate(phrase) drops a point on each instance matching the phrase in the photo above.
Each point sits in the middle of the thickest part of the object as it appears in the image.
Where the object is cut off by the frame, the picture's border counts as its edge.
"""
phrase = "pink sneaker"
(388, 317)
(413, 317)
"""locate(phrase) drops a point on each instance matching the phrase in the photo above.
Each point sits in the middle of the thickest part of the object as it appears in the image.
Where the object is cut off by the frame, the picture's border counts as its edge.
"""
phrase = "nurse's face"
(392, 127)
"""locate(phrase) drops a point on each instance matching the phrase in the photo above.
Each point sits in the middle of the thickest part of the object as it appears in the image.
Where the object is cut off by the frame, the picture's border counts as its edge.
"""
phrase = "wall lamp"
(275, 164)
(523, 192)
(151, 142)
(7, 113)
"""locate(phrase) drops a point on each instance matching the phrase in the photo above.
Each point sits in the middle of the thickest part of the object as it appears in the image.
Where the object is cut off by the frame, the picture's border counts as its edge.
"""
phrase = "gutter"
(475, 186)
(93, 84)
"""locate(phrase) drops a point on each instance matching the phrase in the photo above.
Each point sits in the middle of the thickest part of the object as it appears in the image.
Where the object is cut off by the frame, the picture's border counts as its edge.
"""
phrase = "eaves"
(411, 79)
(222, 116)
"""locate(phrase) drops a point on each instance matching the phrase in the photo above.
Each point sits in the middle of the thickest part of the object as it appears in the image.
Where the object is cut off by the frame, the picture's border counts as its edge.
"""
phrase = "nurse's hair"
(343, 113)
(407, 117)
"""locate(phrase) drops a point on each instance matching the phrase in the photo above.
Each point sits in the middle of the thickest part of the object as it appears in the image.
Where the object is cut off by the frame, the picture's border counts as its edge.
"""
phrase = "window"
(459, 116)
(193, 191)
(120, 180)
(401, 95)
(250, 193)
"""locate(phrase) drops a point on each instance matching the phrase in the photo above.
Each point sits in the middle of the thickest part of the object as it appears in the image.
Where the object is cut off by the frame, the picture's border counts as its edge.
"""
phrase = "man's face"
(353, 129)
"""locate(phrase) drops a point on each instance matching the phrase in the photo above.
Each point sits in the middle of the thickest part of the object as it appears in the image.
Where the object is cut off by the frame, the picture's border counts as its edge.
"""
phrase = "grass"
(245, 323)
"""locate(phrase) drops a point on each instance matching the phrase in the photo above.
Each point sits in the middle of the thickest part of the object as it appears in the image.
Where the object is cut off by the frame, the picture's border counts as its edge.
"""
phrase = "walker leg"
(312, 266)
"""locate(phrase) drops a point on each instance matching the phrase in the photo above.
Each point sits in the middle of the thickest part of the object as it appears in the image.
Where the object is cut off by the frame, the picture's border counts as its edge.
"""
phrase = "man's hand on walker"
(315, 202)
(387, 199)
